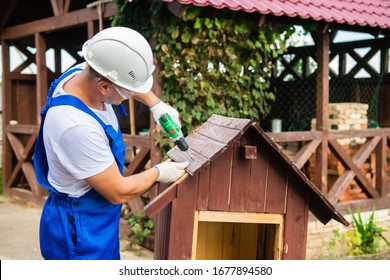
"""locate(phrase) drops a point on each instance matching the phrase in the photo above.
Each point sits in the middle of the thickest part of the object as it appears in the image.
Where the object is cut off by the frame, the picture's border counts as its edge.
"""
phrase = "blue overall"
(77, 228)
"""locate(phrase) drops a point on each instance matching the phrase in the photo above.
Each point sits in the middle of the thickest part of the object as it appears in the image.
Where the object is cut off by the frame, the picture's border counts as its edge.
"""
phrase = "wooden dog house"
(245, 199)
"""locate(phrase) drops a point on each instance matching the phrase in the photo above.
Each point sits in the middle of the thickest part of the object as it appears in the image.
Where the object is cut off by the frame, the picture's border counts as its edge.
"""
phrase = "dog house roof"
(213, 137)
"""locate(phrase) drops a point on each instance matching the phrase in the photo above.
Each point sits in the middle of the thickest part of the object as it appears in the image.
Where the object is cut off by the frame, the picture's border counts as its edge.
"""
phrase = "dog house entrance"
(236, 235)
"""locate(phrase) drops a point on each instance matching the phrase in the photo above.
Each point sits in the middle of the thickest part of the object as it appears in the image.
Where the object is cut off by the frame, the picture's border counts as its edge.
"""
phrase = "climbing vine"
(212, 61)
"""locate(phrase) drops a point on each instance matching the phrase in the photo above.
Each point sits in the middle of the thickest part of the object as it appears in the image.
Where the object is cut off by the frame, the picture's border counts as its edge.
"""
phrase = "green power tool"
(174, 133)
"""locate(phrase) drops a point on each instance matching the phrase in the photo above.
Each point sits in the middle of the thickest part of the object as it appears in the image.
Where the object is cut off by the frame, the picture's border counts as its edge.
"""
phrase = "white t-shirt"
(76, 144)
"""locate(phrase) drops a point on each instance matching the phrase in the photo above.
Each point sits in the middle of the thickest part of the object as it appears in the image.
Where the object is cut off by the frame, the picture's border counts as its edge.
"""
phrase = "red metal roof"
(373, 13)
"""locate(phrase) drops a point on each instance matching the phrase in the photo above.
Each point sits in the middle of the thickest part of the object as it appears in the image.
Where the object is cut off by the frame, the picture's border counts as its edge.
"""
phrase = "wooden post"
(41, 77)
(6, 114)
(322, 102)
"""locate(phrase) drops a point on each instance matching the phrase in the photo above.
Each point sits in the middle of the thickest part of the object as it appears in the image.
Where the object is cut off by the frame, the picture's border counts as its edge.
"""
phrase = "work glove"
(163, 108)
(170, 171)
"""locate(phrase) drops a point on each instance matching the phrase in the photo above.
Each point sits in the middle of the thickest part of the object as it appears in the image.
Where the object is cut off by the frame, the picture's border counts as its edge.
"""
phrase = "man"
(79, 153)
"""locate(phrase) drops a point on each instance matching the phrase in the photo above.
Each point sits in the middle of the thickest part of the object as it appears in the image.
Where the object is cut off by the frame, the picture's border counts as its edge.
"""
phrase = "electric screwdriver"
(173, 132)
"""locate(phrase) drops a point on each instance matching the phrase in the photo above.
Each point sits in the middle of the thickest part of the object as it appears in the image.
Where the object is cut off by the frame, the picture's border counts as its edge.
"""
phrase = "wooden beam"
(42, 82)
(322, 103)
(164, 198)
(10, 6)
(7, 157)
(343, 157)
(55, 23)
(57, 6)
(239, 217)
(305, 152)
(380, 167)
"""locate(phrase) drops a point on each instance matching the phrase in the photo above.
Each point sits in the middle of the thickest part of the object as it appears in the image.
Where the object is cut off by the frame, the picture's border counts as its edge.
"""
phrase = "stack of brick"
(347, 116)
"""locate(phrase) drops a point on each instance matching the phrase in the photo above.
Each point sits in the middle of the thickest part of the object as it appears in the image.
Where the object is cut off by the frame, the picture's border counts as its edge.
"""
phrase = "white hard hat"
(123, 56)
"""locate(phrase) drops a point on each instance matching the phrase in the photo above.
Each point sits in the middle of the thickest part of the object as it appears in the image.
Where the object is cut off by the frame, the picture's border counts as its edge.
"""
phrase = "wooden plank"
(200, 241)
(294, 136)
(340, 186)
(29, 174)
(279, 241)
(380, 167)
(362, 181)
(195, 236)
(235, 123)
(248, 241)
(218, 133)
(42, 81)
(276, 186)
(162, 229)
(231, 241)
(138, 162)
(136, 140)
(305, 153)
(182, 223)
(365, 150)
(241, 170)
(164, 198)
(57, 22)
(205, 146)
(220, 181)
(22, 154)
(238, 217)
(136, 205)
(322, 102)
(214, 242)
(255, 196)
(7, 157)
(203, 188)
(22, 129)
(361, 133)
(296, 220)
(196, 160)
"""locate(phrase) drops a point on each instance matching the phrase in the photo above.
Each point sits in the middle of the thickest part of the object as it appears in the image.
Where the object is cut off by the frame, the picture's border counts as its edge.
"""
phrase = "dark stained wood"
(248, 152)
(196, 160)
(203, 188)
(296, 220)
(182, 223)
(136, 140)
(57, 22)
(322, 103)
(162, 229)
(240, 172)
(276, 188)
(294, 136)
(380, 167)
(305, 153)
(240, 124)
(220, 181)
(138, 162)
(348, 163)
(42, 80)
(6, 113)
(218, 133)
(255, 195)
(161, 200)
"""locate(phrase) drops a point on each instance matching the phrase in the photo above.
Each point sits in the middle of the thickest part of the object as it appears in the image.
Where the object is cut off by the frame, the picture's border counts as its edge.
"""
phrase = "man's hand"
(170, 171)
(163, 108)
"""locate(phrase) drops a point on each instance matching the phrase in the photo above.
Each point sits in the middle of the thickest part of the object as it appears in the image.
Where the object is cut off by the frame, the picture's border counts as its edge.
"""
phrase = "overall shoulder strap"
(72, 100)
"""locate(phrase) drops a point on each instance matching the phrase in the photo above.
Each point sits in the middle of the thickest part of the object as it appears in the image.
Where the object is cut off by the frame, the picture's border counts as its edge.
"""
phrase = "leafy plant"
(211, 61)
(140, 228)
(365, 238)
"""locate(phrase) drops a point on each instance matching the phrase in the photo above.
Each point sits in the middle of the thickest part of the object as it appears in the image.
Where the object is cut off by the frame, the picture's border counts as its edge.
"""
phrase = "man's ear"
(103, 86)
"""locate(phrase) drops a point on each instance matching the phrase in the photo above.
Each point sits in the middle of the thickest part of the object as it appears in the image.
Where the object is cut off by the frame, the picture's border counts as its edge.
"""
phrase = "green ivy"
(140, 228)
(212, 61)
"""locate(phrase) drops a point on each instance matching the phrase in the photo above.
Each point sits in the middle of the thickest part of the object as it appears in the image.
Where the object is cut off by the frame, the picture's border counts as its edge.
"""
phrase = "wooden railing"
(377, 142)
